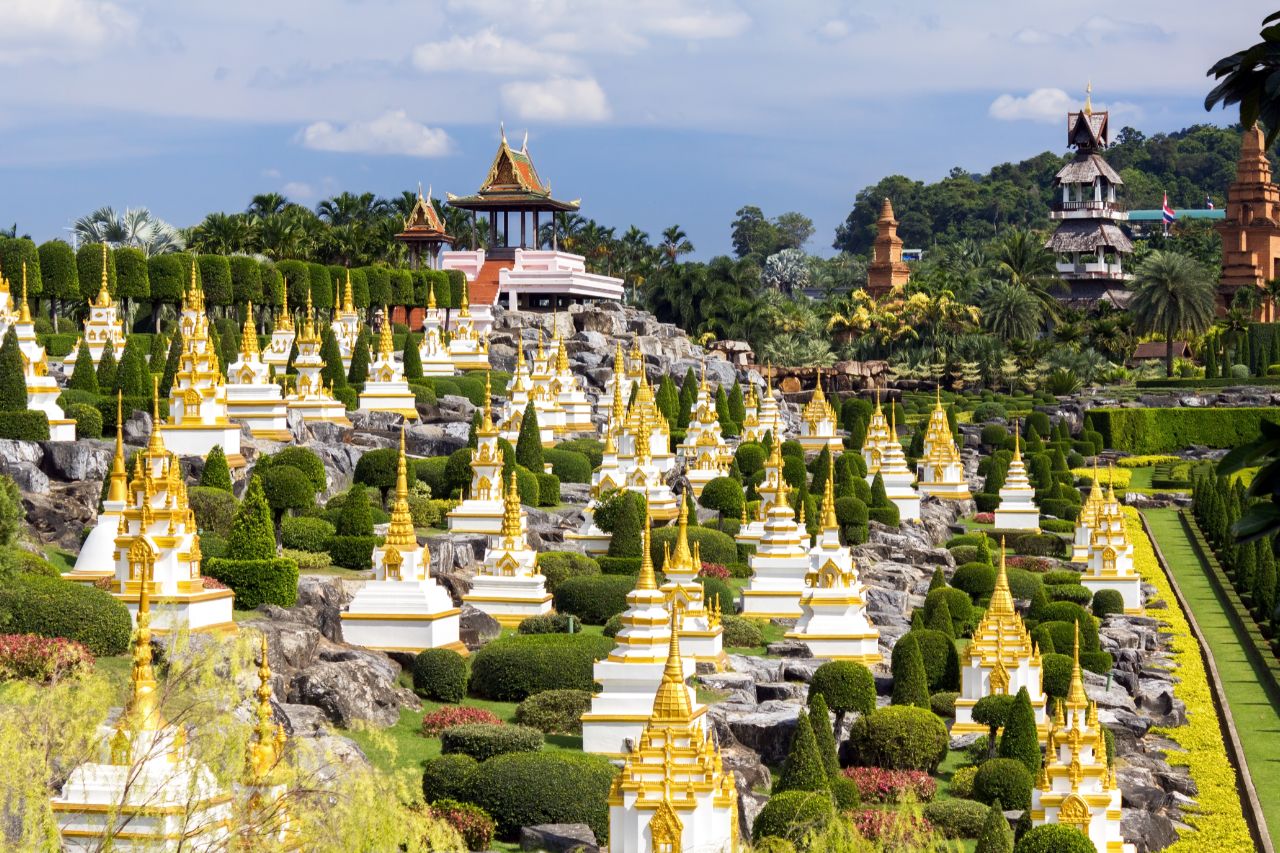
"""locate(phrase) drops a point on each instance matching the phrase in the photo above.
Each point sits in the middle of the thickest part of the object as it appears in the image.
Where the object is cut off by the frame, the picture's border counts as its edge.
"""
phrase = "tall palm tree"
(1251, 78)
(674, 244)
(265, 204)
(1172, 295)
(635, 258)
(1023, 261)
(135, 227)
(1011, 312)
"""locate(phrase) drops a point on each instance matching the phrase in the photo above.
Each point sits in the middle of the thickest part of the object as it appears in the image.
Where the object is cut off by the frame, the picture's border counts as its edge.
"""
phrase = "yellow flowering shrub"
(1106, 476)
(1145, 461)
(1220, 816)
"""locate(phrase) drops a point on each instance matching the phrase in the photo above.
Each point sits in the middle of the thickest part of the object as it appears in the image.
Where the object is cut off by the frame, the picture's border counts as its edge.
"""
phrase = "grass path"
(1257, 717)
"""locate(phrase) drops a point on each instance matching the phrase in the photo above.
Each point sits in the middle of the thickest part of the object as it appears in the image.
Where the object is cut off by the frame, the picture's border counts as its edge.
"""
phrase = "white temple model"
(404, 608)
(877, 441)
(780, 563)
(1000, 661)
(706, 456)
(899, 484)
(673, 793)
(42, 389)
(386, 389)
(941, 471)
(346, 325)
(1017, 510)
(630, 675)
(432, 352)
(103, 328)
(571, 398)
(819, 424)
(833, 619)
(282, 335)
(770, 491)
(1087, 521)
(770, 412)
(468, 349)
(252, 398)
(1111, 557)
(751, 430)
(519, 393)
(482, 510)
(701, 633)
(646, 425)
(620, 380)
(309, 396)
(508, 585)
(608, 475)
(97, 557)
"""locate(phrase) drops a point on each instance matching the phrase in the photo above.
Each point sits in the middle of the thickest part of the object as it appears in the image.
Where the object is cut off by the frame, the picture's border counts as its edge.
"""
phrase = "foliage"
(531, 788)
(555, 711)
(804, 768)
(899, 737)
(355, 517)
(791, 815)
(845, 686)
(941, 661)
(216, 473)
(1054, 838)
(252, 535)
(448, 716)
(510, 669)
(558, 566)
(255, 582)
(303, 533)
(440, 674)
(568, 465)
(880, 785)
(1020, 739)
(483, 741)
(740, 632)
(13, 385)
(52, 607)
(88, 419)
(715, 547)
(909, 683)
(529, 441)
(1162, 430)
(593, 598)
(471, 822)
(956, 818)
(42, 659)
(1005, 779)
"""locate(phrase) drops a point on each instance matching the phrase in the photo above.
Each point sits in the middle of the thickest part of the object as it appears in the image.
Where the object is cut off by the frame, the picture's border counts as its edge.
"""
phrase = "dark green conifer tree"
(996, 835)
(252, 534)
(355, 518)
(412, 360)
(359, 372)
(107, 370)
(825, 736)
(668, 400)
(940, 618)
(529, 441)
(803, 769)
(333, 373)
(217, 474)
(171, 363)
(85, 377)
(688, 396)
(1020, 739)
(13, 383)
(910, 684)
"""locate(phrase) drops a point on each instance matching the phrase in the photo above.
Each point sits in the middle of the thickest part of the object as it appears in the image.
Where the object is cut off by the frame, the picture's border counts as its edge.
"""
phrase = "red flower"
(212, 583)
(714, 570)
(879, 785)
(27, 656)
(985, 518)
(903, 827)
(455, 715)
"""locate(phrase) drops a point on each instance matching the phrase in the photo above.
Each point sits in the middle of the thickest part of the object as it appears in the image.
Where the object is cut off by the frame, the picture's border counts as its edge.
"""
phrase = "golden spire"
(1076, 697)
(309, 325)
(818, 395)
(1017, 442)
(400, 533)
(464, 309)
(193, 299)
(283, 321)
(248, 335)
(520, 352)
(348, 303)
(104, 295)
(647, 579)
(619, 365)
(24, 312)
(671, 704)
(431, 296)
(486, 419)
(155, 447)
(682, 559)
(142, 709)
(119, 489)
(542, 355)
(829, 521)
(1088, 99)
(1001, 598)
(386, 343)
(878, 410)
(511, 512)
(266, 740)
(562, 356)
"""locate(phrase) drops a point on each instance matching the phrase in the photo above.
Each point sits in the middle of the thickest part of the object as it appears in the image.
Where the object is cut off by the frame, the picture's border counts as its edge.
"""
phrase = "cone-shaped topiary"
(355, 518)
(625, 539)
(85, 377)
(217, 474)
(824, 736)
(984, 550)
(804, 769)
(940, 619)
(132, 377)
(156, 356)
(13, 382)
(359, 371)
(917, 620)
(668, 400)
(171, 363)
(412, 359)
(333, 372)
(737, 406)
(107, 370)
(938, 581)
(253, 535)
(910, 684)
(879, 497)
(688, 397)
(529, 441)
(1020, 739)
(996, 835)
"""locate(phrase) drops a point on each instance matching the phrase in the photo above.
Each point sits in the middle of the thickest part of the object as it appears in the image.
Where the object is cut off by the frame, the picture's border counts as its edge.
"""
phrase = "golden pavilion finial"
(1076, 697)
(542, 355)
(386, 342)
(400, 533)
(486, 419)
(24, 310)
(671, 704)
(431, 296)
(647, 579)
(511, 510)
(119, 490)
(619, 365)
(104, 293)
(1088, 99)
(155, 446)
(829, 521)
(1017, 441)
(562, 355)
(249, 334)
(266, 740)
(464, 308)
(143, 707)
(682, 558)
(1001, 597)
(283, 321)
(348, 301)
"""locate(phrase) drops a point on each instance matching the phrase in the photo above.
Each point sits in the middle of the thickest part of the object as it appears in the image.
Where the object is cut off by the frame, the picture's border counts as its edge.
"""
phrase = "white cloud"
(393, 132)
(487, 52)
(834, 30)
(1047, 105)
(694, 26)
(38, 29)
(295, 190)
(557, 99)
(270, 173)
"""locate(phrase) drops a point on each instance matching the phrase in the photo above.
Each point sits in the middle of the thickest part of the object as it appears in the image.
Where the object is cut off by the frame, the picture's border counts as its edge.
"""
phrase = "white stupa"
(705, 454)
(770, 412)
(877, 441)
(403, 609)
(520, 391)
(103, 328)
(899, 484)
(1087, 521)
(97, 557)
(1017, 510)
(346, 325)
(309, 396)
(386, 389)
(751, 430)
(819, 424)
(701, 633)
(432, 352)
(252, 398)
(630, 675)
(282, 335)
(508, 585)
(571, 398)
(645, 424)
(482, 510)
(1110, 563)
(940, 469)
(468, 349)
(608, 475)
(42, 389)
(779, 565)
(833, 609)
(770, 491)
(619, 381)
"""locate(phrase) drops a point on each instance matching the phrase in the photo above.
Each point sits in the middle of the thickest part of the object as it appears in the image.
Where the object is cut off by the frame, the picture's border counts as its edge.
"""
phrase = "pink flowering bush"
(714, 570)
(472, 822)
(985, 518)
(880, 785)
(455, 715)
(895, 830)
(212, 583)
(27, 656)
(1032, 564)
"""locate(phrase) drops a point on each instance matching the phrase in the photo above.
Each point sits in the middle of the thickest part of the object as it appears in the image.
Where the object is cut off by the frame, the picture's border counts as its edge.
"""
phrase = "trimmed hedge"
(88, 420)
(714, 546)
(52, 607)
(595, 598)
(257, 581)
(513, 668)
(1005, 779)
(570, 466)
(791, 815)
(25, 425)
(440, 674)
(559, 566)
(1170, 430)
(530, 788)
(483, 741)
(445, 778)
(956, 818)
(352, 552)
(303, 533)
(1054, 838)
(555, 711)
(548, 489)
(899, 737)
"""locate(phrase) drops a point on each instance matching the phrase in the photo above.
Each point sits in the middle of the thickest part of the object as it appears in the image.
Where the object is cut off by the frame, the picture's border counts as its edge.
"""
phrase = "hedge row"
(1208, 383)
(1169, 430)
(257, 581)
(513, 668)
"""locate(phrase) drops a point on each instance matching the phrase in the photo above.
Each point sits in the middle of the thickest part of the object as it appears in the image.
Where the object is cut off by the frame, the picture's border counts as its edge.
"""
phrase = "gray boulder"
(477, 627)
(78, 460)
(559, 838)
(349, 685)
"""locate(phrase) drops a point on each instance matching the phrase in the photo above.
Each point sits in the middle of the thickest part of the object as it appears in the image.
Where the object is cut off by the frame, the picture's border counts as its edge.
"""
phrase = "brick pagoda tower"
(1251, 231)
(887, 271)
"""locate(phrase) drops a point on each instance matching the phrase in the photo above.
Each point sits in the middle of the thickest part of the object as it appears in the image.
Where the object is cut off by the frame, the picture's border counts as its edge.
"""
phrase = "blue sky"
(652, 111)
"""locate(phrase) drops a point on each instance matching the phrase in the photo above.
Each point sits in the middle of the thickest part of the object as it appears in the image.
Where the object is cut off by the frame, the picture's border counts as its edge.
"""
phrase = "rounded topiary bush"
(483, 741)
(440, 674)
(445, 778)
(956, 818)
(976, 579)
(593, 599)
(530, 788)
(545, 623)
(1054, 838)
(513, 668)
(555, 711)
(845, 686)
(1072, 592)
(1005, 779)
(792, 815)
(943, 703)
(900, 737)
(740, 632)
(558, 566)
(1106, 602)
(568, 465)
(53, 607)
(304, 533)
(88, 420)
(1057, 674)
(958, 603)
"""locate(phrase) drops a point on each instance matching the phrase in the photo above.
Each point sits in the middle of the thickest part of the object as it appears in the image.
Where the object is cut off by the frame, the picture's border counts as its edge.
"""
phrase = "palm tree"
(674, 244)
(1251, 78)
(635, 258)
(265, 204)
(1022, 260)
(135, 227)
(1011, 312)
(1172, 295)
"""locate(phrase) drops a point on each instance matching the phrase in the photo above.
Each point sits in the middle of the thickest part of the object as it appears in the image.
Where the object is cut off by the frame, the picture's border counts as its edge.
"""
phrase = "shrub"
(352, 552)
(905, 829)
(978, 580)
(1099, 662)
(962, 782)
(1057, 674)
(588, 447)
(619, 565)
(956, 818)
(545, 623)
(1073, 592)
(472, 823)
(740, 632)
(964, 554)
(304, 460)
(445, 778)
(548, 489)
(555, 711)
(43, 659)
(256, 582)
(88, 420)
(943, 703)
(845, 686)
(440, 674)
(252, 535)
(958, 603)
(568, 465)
(614, 625)
(15, 560)
(303, 533)
(52, 607)
(879, 785)
(214, 509)
(483, 741)
(1061, 576)
(899, 737)
(24, 425)
(804, 769)
(1071, 613)
(941, 661)
(531, 788)
(909, 683)
(513, 668)
(792, 815)
(558, 566)
(1005, 779)
(593, 599)
(216, 473)
(715, 547)
(448, 716)
(1054, 838)
(1020, 739)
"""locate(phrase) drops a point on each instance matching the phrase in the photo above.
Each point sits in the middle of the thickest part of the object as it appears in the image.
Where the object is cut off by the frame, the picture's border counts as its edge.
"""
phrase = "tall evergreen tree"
(13, 382)
(171, 363)
(996, 835)
(626, 537)
(910, 684)
(1246, 567)
(359, 372)
(668, 400)
(688, 396)
(355, 517)
(412, 359)
(107, 370)
(728, 426)
(156, 356)
(1020, 739)
(1264, 586)
(529, 441)
(85, 377)
(824, 735)
(940, 618)
(737, 405)
(217, 474)
(938, 581)
(879, 497)
(803, 769)
(252, 534)
(333, 373)
(132, 378)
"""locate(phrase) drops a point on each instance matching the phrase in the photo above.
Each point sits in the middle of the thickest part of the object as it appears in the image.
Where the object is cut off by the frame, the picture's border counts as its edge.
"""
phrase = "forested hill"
(1189, 164)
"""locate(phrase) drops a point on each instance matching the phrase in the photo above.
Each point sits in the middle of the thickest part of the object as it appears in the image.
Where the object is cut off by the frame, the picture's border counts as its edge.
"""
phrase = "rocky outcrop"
(559, 838)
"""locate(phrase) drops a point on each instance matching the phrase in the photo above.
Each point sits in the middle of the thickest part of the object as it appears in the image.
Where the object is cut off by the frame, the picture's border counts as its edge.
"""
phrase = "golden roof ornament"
(671, 706)
(829, 521)
(266, 740)
(348, 302)
(400, 532)
(1001, 597)
(155, 447)
(283, 320)
(143, 707)
(104, 294)
(682, 558)
(386, 343)
(486, 419)
(119, 489)
(1017, 442)
(1077, 699)
(464, 308)
(24, 311)
(431, 296)
(248, 335)
(1088, 99)
(511, 512)
(647, 579)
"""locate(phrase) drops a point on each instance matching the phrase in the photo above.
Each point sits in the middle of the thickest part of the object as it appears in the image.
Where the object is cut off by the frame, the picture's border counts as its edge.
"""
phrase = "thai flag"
(1169, 214)
(1208, 203)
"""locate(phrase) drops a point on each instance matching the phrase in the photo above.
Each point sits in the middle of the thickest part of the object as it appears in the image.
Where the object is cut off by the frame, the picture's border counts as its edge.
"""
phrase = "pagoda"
(941, 472)
(673, 793)
(1087, 521)
(346, 325)
(1251, 231)
(818, 422)
(403, 609)
(252, 398)
(97, 558)
(424, 234)
(705, 454)
(608, 475)
(771, 491)
(156, 538)
(282, 335)
(519, 393)
(468, 349)
(483, 509)
(262, 787)
(879, 435)
(309, 396)
(619, 380)
(1075, 786)
(386, 389)
(143, 790)
(1001, 660)
(646, 429)
(1110, 563)
(833, 619)
(751, 430)
(1089, 242)
(887, 271)
(899, 485)
(198, 396)
(571, 399)
(432, 351)
(700, 630)
(545, 394)
(1017, 510)
(630, 675)
(770, 413)
(42, 389)
(508, 585)
(780, 562)
(103, 327)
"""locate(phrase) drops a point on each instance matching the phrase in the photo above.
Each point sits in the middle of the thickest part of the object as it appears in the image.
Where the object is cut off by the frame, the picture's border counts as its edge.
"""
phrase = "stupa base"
(208, 610)
(477, 516)
(771, 604)
(62, 429)
(946, 491)
(818, 443)
(198, 439)
(330, 411)
(1130, 589)
(1018, 518)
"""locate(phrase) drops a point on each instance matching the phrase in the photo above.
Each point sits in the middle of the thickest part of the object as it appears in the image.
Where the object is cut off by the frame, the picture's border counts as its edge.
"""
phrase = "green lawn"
(60, 559)
(1256, 715)
(1140, 478)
